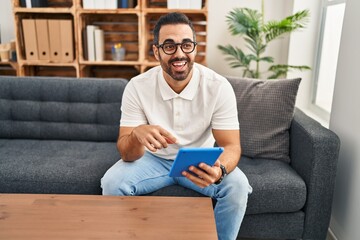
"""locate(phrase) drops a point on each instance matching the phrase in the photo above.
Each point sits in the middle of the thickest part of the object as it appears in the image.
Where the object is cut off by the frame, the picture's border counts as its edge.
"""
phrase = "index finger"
(170, 139)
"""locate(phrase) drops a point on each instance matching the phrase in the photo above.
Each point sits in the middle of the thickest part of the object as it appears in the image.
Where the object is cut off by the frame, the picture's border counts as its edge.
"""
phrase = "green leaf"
(244, 21)
(274, 29)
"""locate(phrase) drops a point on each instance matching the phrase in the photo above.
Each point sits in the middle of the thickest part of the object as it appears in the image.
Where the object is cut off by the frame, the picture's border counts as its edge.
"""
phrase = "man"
(180, 104)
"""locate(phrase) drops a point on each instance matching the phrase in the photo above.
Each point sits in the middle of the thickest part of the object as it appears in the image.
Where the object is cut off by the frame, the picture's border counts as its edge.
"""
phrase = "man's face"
(179, 65)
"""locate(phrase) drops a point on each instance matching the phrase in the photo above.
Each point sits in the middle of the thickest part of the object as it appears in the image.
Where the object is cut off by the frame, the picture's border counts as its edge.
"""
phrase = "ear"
(156, 52)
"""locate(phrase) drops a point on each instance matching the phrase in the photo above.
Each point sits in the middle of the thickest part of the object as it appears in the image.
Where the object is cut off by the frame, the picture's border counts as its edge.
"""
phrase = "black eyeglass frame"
(177, 44)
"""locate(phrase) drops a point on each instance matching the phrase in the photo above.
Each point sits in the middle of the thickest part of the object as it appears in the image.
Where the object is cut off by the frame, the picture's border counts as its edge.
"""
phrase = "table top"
(46, 216)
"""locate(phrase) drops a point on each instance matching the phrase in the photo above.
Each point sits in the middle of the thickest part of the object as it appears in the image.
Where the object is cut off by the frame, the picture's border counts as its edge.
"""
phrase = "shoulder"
(145, 80)
(210, 78)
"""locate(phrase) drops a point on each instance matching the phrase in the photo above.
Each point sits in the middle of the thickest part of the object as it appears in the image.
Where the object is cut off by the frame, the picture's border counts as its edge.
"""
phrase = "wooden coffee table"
(42, 216)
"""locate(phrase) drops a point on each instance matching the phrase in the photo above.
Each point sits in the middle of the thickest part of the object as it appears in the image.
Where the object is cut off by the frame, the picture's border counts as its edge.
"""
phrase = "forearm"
(230, 157)
(129, 147)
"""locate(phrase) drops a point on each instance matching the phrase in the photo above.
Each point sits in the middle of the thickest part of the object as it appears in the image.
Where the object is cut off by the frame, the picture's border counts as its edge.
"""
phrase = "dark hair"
(172, 18)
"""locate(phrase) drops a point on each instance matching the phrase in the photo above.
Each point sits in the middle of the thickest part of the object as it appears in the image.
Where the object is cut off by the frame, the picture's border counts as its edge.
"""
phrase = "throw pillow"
(265, 110)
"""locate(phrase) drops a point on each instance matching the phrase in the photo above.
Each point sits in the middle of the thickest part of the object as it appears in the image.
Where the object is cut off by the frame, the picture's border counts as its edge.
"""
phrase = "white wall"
(345, 121)
(6, 22)
(218, 32)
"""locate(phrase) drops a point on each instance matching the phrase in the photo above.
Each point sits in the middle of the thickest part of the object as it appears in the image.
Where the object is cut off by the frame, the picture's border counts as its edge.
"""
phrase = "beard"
(177, 75)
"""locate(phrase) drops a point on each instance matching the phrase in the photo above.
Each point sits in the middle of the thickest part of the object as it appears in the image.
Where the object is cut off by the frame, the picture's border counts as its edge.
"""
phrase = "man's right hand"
(153, 137)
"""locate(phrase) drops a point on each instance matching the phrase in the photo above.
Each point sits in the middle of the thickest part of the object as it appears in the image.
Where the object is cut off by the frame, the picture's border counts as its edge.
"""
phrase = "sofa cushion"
(276, 186)
(60, 108)
(265, 110)
(68, 167)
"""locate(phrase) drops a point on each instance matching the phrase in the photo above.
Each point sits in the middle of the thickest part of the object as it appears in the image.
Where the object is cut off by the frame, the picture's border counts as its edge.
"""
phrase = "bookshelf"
(132, 27)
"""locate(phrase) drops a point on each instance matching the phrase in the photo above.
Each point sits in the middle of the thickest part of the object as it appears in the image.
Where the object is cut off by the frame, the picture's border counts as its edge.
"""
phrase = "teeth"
(178, 64)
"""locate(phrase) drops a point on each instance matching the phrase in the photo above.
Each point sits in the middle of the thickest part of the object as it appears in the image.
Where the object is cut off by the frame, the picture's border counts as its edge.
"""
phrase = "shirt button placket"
(178, 121)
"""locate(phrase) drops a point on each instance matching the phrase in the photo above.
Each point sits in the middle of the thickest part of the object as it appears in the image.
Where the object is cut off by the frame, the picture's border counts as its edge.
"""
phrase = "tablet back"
(187, 157)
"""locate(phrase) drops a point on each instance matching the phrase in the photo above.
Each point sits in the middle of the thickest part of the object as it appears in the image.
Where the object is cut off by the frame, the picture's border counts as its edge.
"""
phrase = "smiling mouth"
(179, 65)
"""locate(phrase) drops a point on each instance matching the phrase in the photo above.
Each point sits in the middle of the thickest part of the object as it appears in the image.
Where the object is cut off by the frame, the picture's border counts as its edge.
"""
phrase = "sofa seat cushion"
(39, 166)
(277, 188)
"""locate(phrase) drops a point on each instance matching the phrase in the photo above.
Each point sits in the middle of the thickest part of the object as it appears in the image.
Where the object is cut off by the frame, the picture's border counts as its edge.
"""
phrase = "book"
(111, 4)
(99, 4)
(23, 3)
(132, 3)
(99, 44)
(88, 4)
(34, 3)
(124, 4)
(90, 30)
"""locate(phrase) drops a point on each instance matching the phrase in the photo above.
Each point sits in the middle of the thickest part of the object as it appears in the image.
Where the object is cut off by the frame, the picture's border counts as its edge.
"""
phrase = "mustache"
(179, 59)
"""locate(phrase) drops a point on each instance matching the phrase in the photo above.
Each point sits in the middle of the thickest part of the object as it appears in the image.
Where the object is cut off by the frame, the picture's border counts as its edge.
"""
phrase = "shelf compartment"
(21, 40)
(136, 6)
(53, 5)
(118, 28)
(200, 25)
(8, 68)
(162, 4)
(101, 71)
(50, 71)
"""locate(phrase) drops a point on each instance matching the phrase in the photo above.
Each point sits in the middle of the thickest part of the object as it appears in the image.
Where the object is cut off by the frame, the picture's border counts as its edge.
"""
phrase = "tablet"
(187, 157)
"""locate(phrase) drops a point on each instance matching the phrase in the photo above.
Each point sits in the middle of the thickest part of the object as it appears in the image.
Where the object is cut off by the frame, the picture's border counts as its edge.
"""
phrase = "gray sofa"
(58, 135)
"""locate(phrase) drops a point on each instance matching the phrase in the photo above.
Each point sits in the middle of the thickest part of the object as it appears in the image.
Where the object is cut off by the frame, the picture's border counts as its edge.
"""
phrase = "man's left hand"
(204, 175)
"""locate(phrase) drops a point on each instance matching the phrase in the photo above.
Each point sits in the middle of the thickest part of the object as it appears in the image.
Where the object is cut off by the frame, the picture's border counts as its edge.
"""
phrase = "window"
(327, 56)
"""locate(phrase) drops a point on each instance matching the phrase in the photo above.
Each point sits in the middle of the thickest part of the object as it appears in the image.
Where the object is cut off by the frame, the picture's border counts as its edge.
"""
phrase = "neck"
(177, 85)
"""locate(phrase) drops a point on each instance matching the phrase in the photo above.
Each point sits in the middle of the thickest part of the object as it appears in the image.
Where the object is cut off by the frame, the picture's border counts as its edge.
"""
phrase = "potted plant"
(249, 24)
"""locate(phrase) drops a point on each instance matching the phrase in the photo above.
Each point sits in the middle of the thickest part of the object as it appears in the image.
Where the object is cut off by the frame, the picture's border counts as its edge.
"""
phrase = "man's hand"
(204, 175)
(153, 137)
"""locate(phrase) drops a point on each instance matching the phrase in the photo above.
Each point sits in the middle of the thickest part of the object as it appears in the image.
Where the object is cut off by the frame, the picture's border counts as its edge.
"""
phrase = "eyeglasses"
(171, 48)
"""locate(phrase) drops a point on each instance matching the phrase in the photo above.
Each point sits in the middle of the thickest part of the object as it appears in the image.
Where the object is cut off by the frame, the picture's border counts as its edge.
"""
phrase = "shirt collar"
(187, 93)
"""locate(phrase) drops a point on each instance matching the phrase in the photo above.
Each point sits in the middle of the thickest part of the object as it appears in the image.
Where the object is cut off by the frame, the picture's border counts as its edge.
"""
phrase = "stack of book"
(33, 3)
(108, 4)
(95, 43)
(184, 4)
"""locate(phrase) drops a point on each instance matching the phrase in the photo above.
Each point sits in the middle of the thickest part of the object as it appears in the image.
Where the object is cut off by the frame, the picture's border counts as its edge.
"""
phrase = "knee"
(238, 187)
(115, 186)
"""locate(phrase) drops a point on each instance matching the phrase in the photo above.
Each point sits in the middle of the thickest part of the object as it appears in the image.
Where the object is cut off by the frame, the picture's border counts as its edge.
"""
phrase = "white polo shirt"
(207, 102)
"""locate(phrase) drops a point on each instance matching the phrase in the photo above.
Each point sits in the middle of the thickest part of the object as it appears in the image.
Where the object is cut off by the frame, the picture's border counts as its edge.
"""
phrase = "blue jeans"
(150, 173)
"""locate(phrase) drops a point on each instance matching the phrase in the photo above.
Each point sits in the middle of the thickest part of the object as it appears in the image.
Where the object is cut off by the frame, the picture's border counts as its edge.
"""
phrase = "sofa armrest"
(314, 152)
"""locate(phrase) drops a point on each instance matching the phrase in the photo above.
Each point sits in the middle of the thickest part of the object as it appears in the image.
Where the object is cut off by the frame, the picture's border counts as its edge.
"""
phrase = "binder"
(55, 40)
(42, 37)
(90, 29)
(29, 29)
(67, 44)
(99, 45)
